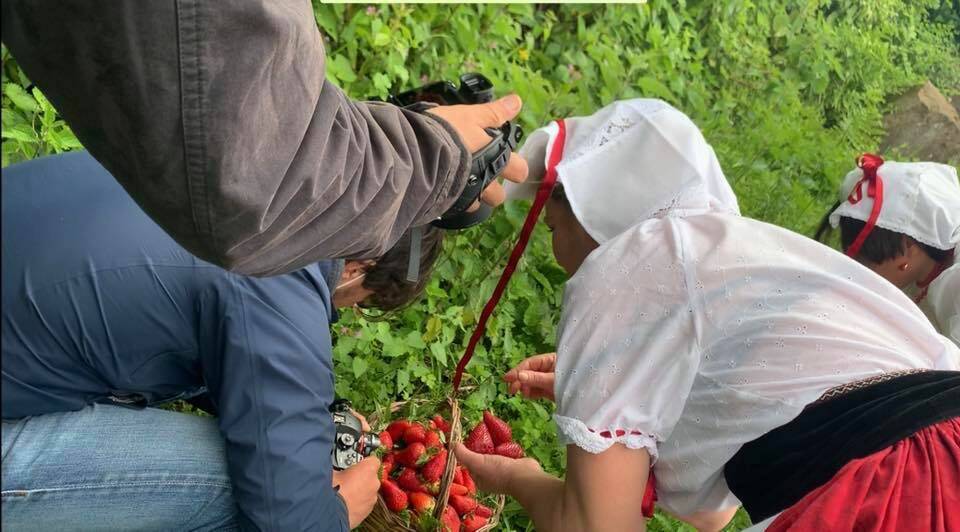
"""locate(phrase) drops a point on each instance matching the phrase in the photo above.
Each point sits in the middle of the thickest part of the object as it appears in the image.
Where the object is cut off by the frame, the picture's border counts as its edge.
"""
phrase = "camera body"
(474, 88)
(350, 444)
(487, 163)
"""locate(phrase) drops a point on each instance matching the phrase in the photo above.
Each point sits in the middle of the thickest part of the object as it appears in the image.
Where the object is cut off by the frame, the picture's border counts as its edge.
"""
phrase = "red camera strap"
(543, 194)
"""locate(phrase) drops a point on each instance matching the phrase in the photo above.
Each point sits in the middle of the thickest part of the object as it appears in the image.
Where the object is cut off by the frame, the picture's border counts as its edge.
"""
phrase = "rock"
(924, 125)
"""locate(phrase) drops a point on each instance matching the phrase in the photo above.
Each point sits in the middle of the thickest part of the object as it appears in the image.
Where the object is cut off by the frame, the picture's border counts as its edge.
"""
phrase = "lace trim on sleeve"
(596, 441)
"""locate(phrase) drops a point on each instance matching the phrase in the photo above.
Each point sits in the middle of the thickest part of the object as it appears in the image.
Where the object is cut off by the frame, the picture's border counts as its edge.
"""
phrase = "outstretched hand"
(534, 377)
(470, 121)
(494, 473)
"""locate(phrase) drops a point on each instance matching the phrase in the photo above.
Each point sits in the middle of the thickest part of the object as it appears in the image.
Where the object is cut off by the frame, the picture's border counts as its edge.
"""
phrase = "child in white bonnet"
(689, 332)
(912, 238)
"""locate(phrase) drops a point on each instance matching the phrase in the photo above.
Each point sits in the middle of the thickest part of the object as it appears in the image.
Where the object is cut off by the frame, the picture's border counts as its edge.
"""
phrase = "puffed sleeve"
(627, 349)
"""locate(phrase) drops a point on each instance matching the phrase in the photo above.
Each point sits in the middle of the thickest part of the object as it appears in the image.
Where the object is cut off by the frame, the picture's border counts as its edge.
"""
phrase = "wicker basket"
(382, 519)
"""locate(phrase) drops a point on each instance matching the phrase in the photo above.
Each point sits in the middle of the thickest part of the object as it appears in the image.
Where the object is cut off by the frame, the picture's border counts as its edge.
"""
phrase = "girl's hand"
(494, 473)
(533, 377)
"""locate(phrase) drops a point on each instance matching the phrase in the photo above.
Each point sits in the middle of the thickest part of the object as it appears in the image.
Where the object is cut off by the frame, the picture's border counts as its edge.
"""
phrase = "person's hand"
(494, 473)
(358, 487)
(363, 421)
(533, 377)
(470, 120)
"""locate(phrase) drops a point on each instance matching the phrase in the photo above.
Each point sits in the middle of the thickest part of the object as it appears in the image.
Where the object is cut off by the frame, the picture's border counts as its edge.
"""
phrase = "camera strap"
(485, 166)
(543, 194)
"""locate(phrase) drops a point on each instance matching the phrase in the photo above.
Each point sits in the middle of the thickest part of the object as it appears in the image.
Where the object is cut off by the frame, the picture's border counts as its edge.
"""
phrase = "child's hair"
(559, 195)
(388, 277)
(881, 244)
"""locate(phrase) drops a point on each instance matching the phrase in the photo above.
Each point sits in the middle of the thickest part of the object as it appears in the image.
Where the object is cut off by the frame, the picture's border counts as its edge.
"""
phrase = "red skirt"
(911, 485)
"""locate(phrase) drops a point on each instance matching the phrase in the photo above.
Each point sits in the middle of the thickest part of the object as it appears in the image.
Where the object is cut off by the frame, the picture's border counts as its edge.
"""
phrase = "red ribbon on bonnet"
(868, 163)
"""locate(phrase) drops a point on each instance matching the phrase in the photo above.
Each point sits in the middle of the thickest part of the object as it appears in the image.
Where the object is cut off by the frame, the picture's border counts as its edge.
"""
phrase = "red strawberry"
(414, 434)
(474, 523)
(458, 476)
(468, 482)
(499, 430)
(408, 480)
(386, 440)
(483, 511)
(441, 423)
(463, 505)
(479, 440)
(432, 440)
(394, 497)
(457, 489)
(510, 450)
(397, 428)
(422, 503)
(413, 455)
(433, 470)
(450, 521)
(386, 466)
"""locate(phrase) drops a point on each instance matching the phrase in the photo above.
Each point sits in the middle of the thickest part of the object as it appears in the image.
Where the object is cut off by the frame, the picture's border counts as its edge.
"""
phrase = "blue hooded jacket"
(100, 303)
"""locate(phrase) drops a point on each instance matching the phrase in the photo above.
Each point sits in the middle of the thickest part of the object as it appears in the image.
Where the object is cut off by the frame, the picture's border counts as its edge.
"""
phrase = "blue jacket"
(98, 301)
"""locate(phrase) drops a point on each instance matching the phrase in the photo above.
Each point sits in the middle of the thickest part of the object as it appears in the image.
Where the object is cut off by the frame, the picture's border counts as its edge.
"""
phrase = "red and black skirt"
(878, 457)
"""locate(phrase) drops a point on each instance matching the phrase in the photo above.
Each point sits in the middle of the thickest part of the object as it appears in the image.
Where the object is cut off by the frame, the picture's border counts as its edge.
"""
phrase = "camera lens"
(371, 442)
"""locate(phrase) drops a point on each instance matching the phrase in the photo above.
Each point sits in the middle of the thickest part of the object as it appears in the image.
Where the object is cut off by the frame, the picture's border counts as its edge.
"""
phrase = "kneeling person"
(105, 316)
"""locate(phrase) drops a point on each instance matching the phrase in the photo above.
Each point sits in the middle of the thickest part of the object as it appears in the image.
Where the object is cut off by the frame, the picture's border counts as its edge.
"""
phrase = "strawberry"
(483, 511)
(474, 523)
(433, 470)
(499, 430)
(432, 440)
(441, 423)
(394, 497)
(468, 482)
(433, 488)
(479, 440)
(457, 489)
(422, 503)
(510, 450)
(413, 455)
(408, 480)
(450, 521)
(463, 505)
(458, 476)
(386, 440)
(415, 433)
(397, 428)
(386, 466)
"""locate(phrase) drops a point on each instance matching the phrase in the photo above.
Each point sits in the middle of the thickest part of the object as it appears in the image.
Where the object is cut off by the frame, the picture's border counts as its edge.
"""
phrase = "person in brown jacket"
(217, 119)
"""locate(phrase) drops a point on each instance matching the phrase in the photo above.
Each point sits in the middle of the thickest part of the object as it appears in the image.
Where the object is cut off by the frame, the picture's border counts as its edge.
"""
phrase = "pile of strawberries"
(415, 460)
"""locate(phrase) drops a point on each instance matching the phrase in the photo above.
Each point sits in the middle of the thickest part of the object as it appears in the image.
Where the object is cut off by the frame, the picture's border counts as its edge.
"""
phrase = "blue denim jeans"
(113, 468)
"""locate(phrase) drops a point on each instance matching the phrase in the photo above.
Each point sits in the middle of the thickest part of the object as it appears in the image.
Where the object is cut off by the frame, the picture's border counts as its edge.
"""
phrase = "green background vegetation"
(787, 92)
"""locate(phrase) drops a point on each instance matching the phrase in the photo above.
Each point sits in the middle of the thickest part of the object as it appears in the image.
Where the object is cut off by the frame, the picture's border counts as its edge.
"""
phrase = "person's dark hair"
(388, 277)
(558, 194)
(881, 244)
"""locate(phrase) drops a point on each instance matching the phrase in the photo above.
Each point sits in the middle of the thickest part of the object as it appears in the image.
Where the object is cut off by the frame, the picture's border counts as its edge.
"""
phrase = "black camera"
(487, 163)
(474, 88)
(350, 444)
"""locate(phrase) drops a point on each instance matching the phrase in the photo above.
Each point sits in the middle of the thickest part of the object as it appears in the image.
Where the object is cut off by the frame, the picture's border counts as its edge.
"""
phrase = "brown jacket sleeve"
(218, 120)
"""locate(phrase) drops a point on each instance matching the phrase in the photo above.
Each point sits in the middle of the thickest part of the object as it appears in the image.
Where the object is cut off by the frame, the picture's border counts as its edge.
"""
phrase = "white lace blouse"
(690, 336)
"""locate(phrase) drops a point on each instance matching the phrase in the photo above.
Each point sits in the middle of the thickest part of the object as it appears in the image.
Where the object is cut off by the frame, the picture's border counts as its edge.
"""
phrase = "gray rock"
(923, 125)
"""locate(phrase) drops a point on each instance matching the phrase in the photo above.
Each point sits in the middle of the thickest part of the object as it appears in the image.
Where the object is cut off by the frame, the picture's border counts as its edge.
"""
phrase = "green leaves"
(31, 126)
(19, 97)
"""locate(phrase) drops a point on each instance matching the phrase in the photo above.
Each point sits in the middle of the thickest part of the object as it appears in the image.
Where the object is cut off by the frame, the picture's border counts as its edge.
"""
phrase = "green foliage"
(787, 92)
(31, 126)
